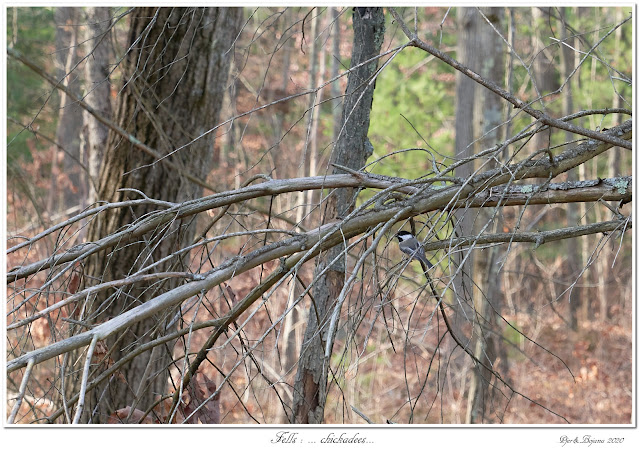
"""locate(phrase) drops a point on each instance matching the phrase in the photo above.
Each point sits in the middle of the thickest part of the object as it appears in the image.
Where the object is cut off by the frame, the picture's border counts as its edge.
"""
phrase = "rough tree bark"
(175, 76)
(352, 150)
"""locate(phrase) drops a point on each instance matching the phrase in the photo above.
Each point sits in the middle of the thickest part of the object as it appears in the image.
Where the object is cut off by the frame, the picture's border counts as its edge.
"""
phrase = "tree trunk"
(608, 255)
(544, 66)
(335, 68)
(174, 76)
(574, 260)
(97, 41)
(352, 150)
(303, 197)
(544, 73)
(487, 280)
(67, 192)
(468, 54)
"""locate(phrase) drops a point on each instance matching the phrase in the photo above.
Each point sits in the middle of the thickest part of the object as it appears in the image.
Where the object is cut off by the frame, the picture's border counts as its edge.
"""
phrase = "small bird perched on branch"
(412, 247)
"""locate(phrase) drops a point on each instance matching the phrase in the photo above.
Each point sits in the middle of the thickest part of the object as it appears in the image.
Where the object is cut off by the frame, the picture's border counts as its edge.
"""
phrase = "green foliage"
(32, 34)
(31, 31)
(413, 107)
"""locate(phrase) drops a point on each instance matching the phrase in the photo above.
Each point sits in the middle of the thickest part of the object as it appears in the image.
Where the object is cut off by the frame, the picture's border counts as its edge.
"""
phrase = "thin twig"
(23, 388)
(85, 377)
(362, 415)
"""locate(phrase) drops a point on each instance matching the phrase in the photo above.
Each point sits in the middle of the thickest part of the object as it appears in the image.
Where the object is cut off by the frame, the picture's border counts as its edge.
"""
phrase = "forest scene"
(329, 215)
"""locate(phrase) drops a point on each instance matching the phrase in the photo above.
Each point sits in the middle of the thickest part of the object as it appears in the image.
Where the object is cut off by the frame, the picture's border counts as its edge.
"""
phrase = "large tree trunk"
(352, 150)
(174, 77)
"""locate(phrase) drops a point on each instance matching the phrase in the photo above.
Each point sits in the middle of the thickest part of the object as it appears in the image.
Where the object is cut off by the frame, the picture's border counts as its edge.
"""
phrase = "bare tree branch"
(517, 103)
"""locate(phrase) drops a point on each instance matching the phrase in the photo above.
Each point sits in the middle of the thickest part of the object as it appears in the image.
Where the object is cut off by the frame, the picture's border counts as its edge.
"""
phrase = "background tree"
(68, 183)
(351, 151)
(486, 292)
(206, 276)
(97, 42)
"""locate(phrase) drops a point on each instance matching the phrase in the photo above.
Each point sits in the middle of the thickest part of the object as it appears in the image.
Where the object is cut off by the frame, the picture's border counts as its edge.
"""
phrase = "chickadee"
(412, 247)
